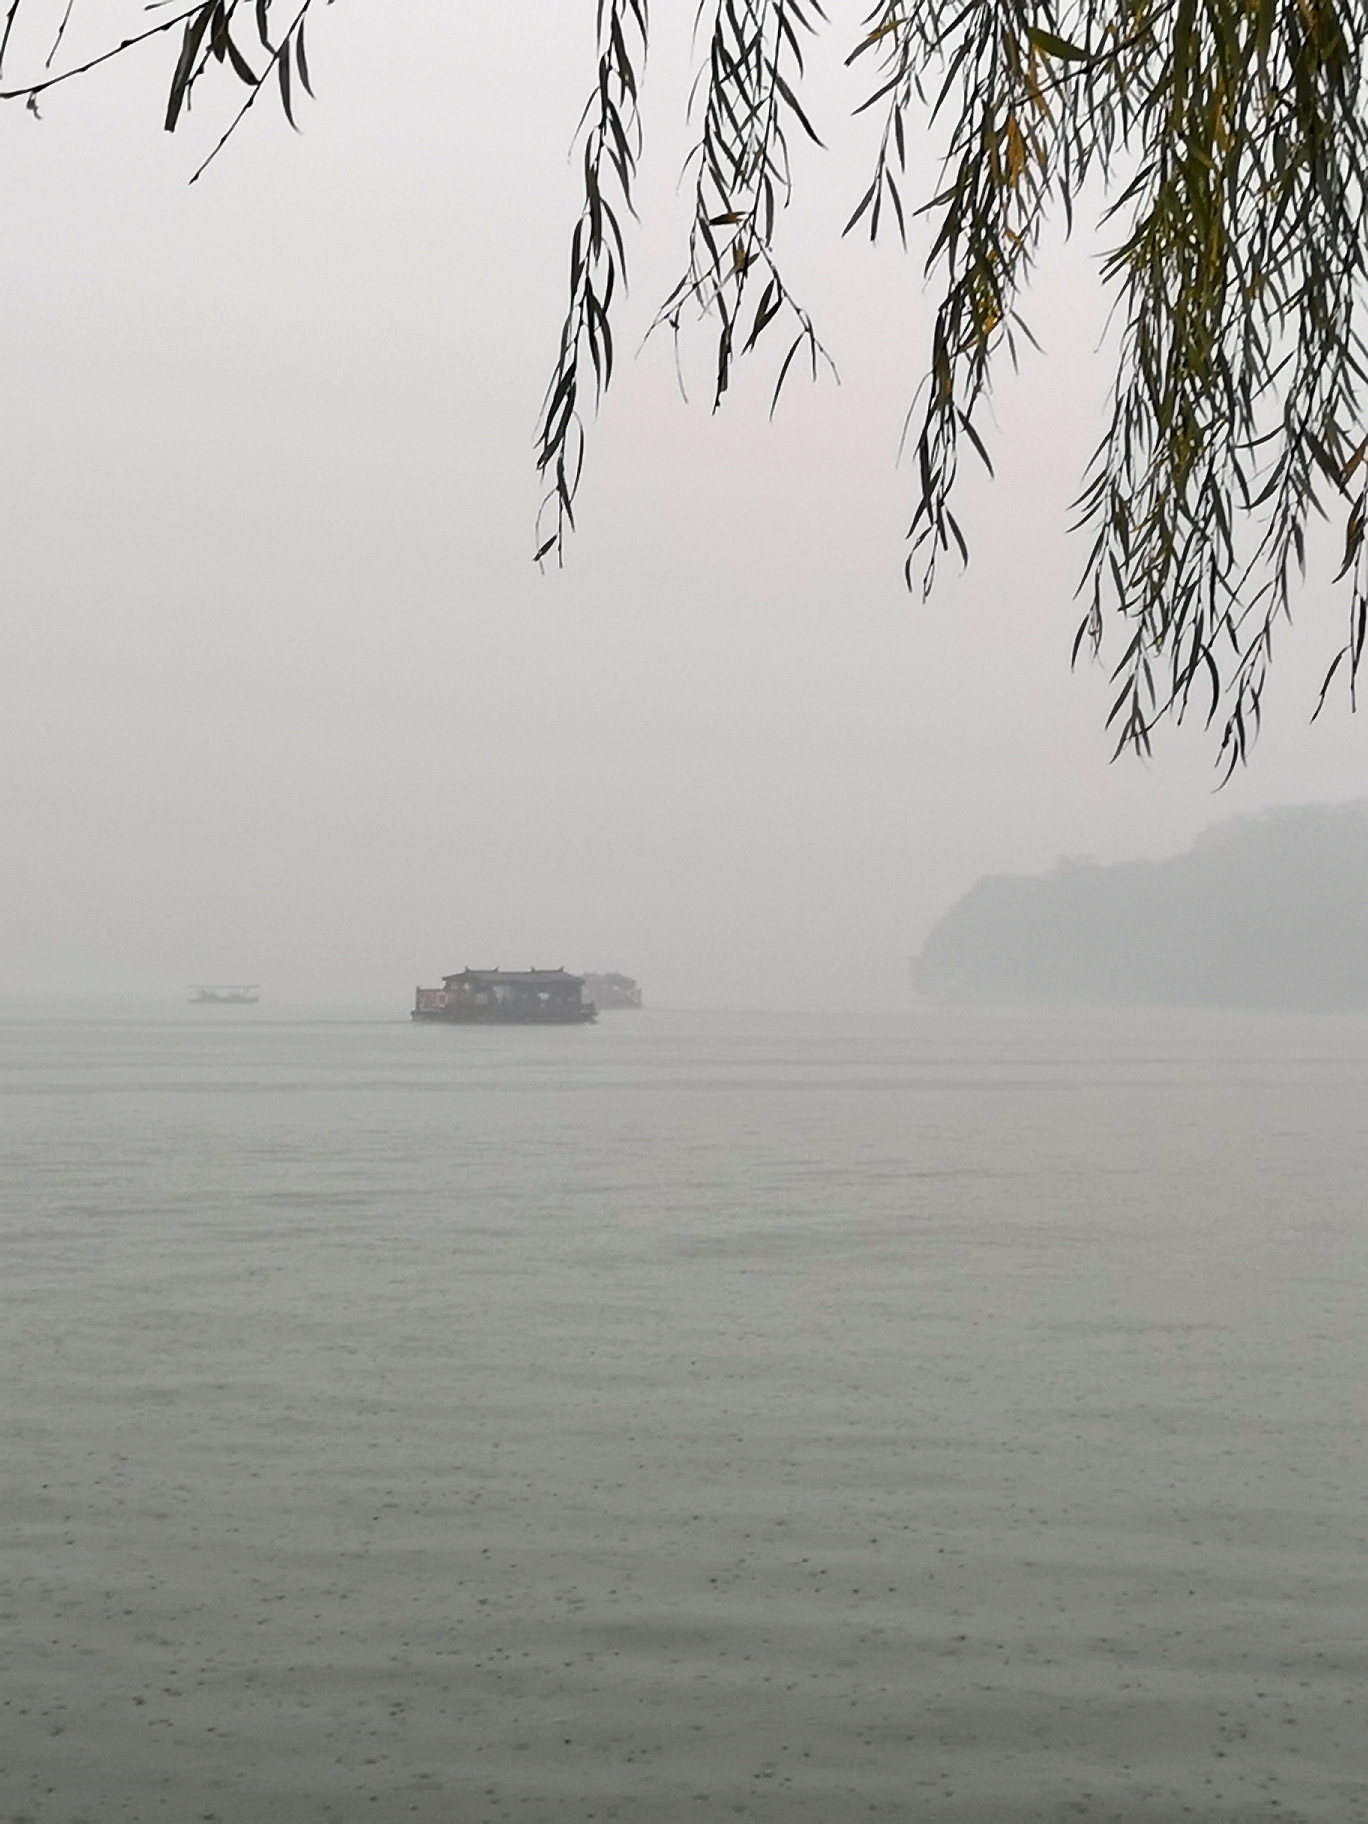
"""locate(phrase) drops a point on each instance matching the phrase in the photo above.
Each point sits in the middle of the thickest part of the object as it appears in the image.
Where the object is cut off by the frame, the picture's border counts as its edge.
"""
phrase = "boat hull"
(501, 1016)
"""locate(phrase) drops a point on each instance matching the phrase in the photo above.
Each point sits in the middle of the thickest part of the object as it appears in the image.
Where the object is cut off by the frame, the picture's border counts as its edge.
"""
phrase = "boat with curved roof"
(493, 997)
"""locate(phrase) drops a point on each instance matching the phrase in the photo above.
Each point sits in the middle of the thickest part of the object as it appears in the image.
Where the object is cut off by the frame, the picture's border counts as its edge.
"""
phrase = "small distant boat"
(224, 994)
(494, 997)
(613, 990)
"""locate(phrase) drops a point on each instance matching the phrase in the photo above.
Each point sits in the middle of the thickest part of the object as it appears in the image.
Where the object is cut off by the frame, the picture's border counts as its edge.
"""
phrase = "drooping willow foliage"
(261, 42)
(1230, 138)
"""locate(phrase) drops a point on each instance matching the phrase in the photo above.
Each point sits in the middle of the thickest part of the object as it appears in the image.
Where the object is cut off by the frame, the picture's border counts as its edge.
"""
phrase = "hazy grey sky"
(283, 696)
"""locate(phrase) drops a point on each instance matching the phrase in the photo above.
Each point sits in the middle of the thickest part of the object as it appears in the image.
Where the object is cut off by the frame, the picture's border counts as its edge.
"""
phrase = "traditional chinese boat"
(492, 997)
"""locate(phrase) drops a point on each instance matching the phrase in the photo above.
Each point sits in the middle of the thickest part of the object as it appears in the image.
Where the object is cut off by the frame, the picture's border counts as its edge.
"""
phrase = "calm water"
(688, 1418)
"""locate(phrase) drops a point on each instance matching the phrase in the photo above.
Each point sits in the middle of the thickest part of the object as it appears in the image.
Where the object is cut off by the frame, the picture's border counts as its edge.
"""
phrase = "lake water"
(687, 1418)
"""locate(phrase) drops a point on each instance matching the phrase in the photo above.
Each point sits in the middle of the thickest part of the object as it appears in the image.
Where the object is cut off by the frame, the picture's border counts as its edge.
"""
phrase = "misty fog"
(285, 697)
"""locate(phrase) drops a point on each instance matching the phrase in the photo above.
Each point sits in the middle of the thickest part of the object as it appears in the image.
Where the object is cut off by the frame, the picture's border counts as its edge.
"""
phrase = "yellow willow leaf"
(1016, 152)
(1033, 86)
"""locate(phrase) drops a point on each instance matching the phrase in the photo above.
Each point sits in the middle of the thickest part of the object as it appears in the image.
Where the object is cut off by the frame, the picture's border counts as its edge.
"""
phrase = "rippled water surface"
(684, 1418)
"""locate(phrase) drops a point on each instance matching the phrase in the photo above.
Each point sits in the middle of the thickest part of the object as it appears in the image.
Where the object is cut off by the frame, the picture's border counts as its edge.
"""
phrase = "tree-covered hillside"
(1268, 910)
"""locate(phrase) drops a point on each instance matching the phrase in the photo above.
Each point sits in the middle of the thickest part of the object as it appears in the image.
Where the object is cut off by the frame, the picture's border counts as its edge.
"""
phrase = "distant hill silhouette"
(1269, 910)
